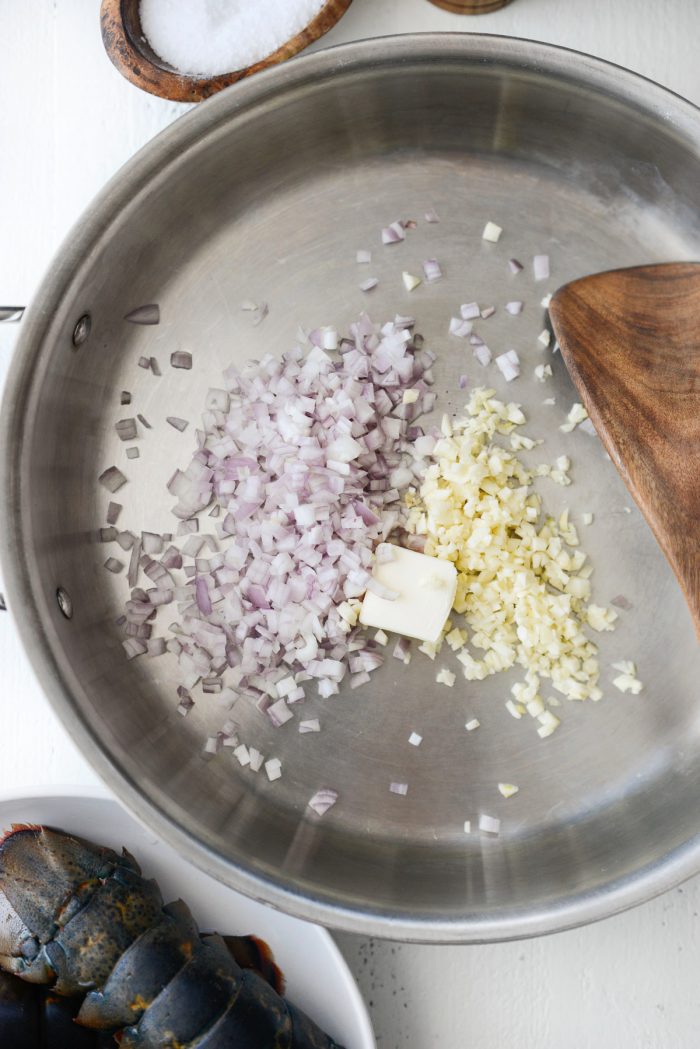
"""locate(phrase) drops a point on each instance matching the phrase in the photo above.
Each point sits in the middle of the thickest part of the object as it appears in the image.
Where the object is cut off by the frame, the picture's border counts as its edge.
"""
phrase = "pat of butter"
(426, 588)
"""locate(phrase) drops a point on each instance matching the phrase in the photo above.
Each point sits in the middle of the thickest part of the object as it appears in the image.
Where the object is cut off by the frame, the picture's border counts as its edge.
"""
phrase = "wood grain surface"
(631, 342)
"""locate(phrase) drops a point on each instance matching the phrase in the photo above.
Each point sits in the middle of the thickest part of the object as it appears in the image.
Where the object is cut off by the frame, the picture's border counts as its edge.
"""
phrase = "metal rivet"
(64, 602)
(82, 330)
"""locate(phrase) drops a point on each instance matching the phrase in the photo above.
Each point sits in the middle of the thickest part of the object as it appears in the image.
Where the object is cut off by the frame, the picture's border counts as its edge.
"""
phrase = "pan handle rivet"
(64, 602)
(81, 331)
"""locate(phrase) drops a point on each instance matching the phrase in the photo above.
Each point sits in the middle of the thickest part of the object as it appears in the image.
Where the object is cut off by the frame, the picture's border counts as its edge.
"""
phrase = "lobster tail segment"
(85, 950)
(197, 994)
(143, 971)
(256, 1016)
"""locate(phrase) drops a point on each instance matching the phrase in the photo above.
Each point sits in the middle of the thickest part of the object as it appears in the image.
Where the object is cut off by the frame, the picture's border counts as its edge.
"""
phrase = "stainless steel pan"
(266, 192)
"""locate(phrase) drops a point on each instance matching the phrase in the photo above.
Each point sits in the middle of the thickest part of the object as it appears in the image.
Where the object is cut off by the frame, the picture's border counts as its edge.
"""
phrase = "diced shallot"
(296, 478)
(393, 234)
(489, 824)
(323, 800)
(509, 365)
(540, 267)
(432, 270)
(181, 359)
(126, 429)
(279, 713)
(461, 328)
(112, 479)
(273, 768)
(482, 354)
(178, 424)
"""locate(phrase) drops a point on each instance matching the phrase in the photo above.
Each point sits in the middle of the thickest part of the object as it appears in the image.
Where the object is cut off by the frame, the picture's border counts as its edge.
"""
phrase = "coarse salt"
(220, 36)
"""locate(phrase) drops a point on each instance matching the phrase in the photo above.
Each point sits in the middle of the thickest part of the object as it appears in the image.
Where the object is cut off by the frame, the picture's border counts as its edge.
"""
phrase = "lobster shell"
(81, 920)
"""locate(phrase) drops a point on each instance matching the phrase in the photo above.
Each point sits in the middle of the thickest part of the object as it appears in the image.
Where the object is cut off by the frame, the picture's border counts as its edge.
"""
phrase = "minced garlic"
(627, 680)
(522, 589)
(578, 414)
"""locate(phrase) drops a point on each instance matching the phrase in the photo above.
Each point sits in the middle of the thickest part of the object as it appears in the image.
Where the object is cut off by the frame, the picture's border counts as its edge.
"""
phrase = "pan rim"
(233, 104)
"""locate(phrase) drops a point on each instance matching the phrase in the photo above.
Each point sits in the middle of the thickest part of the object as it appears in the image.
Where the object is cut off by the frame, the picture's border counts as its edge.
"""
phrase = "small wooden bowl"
(471, 7)
(136, 60)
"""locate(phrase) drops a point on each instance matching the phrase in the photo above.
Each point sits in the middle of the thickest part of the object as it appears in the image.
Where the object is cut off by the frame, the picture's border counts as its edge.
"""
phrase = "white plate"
(318, 979)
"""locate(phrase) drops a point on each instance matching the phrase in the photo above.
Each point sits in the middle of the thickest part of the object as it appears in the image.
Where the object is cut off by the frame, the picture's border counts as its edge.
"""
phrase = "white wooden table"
(67, 122)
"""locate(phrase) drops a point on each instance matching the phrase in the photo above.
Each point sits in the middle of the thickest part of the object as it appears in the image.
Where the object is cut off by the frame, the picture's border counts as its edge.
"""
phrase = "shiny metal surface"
(266, 192)
(11, 314)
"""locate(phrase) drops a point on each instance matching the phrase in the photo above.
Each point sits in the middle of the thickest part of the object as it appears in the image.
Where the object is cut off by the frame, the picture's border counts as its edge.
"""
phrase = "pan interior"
(270, 200)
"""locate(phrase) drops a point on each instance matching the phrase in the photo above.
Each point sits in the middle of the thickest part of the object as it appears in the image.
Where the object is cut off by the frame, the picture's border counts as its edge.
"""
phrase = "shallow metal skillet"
(266, 192)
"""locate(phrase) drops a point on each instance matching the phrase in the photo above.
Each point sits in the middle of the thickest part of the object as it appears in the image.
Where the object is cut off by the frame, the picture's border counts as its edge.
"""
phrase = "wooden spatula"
(631, 341)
